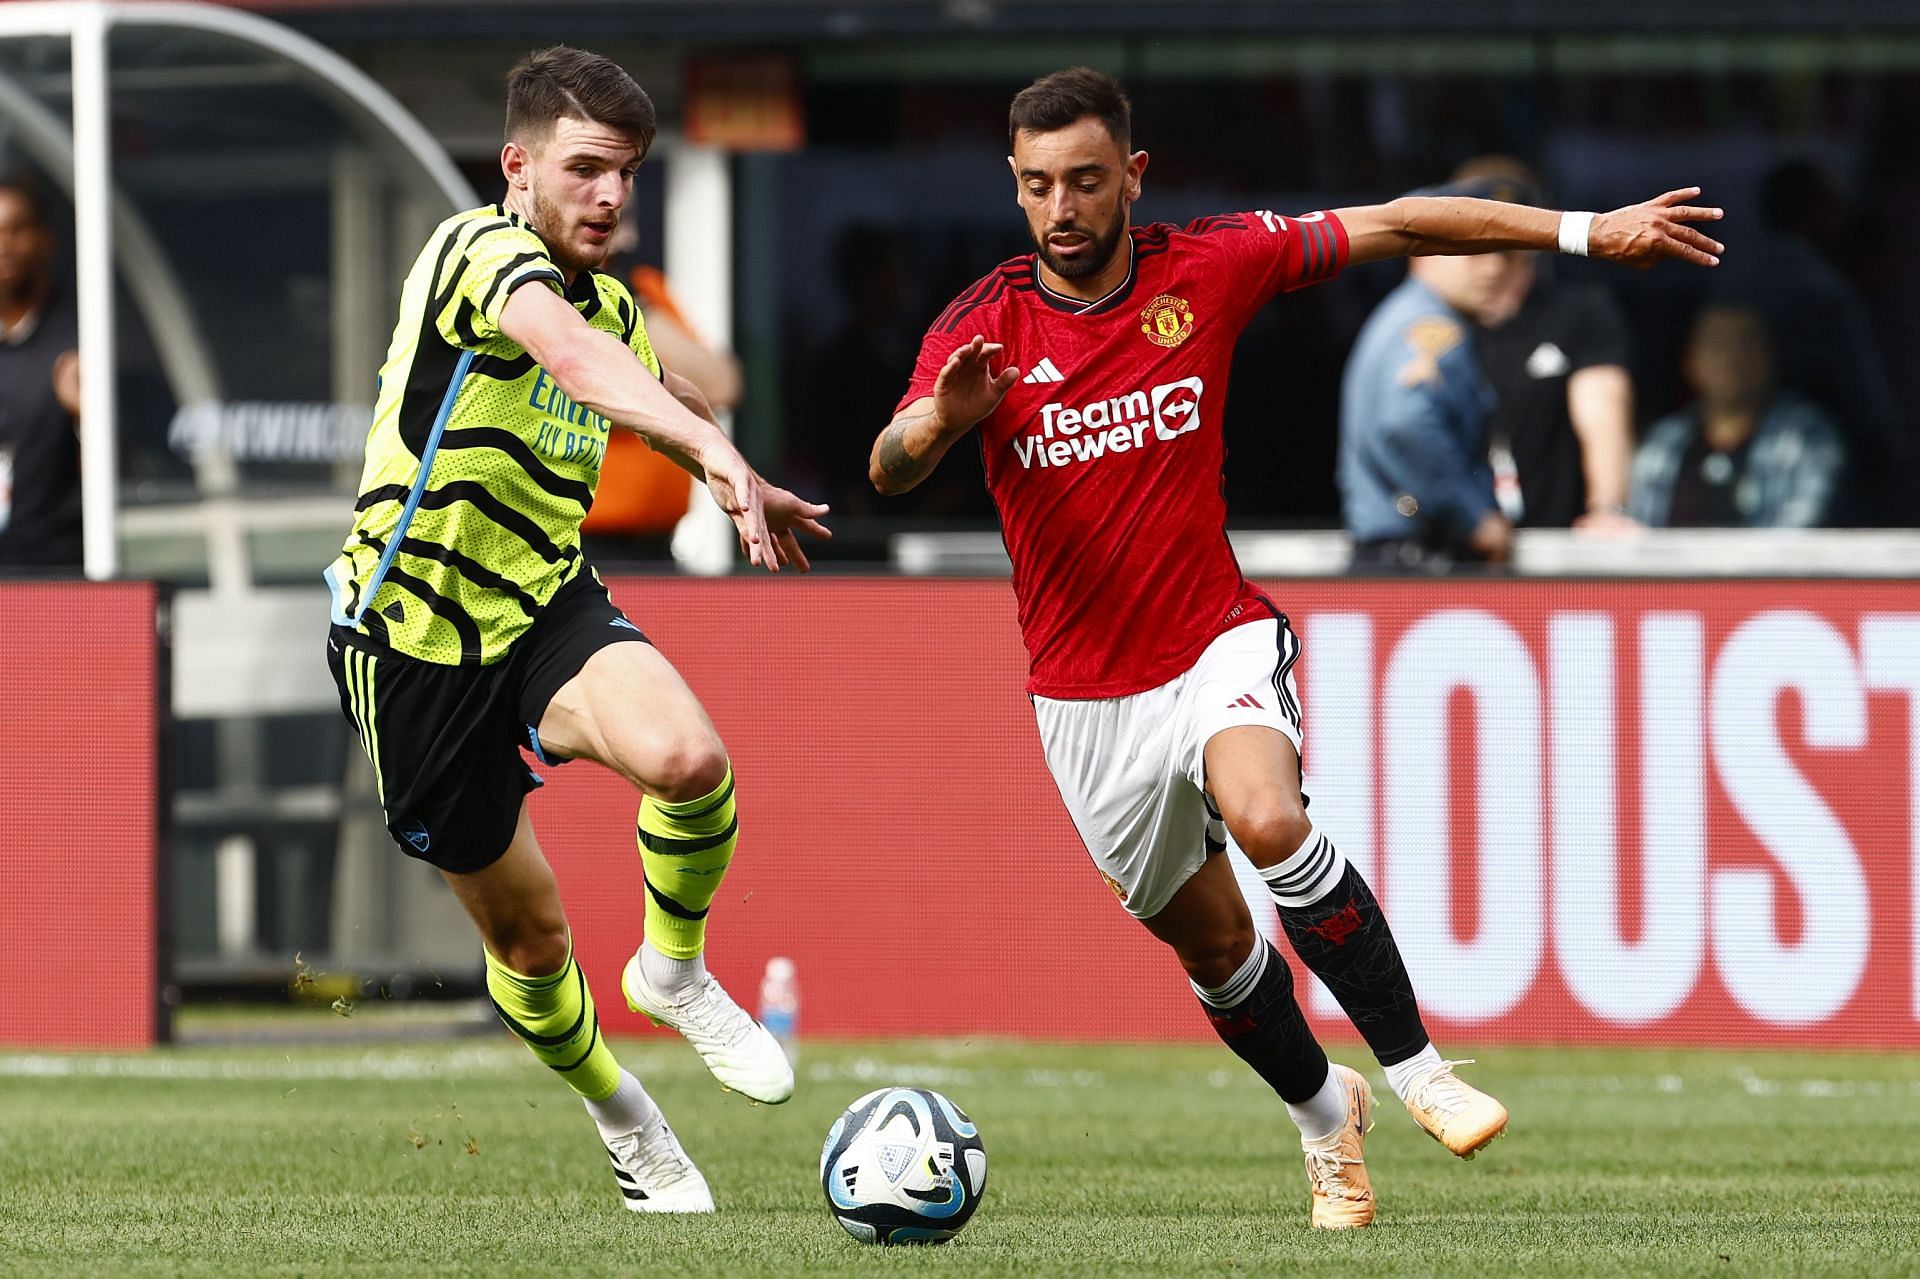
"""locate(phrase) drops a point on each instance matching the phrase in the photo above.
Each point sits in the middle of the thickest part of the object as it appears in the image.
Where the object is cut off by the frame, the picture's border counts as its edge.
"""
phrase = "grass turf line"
(1103, 1160)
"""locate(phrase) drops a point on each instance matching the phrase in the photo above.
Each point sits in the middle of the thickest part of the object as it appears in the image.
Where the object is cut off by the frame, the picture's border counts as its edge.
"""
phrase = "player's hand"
(968, 389)
(1642, 234)
(1492, 538)
(1606, 522)
(786, 513)
(741, 494)
(66, 381)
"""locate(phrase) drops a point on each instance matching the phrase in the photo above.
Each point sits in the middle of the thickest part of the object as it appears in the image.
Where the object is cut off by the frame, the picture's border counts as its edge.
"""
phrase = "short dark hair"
(543, 87)
(1498, 177)
(29, 190)
(1057, 100)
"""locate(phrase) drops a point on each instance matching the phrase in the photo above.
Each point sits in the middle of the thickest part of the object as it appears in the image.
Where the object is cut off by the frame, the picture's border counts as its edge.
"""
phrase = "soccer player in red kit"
(1095, 370)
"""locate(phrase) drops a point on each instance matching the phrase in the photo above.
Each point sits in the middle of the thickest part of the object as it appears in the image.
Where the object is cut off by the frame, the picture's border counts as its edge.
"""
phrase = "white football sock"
(627, 1108)
(1403, 1077)
(670, 977)
(1313, 871)
(1321, 1115)
(1241, 984)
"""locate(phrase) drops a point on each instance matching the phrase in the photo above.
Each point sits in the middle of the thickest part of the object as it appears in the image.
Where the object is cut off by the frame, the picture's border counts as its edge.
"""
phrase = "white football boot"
(1454, 1113)
(654, 1173)
(740, 1052)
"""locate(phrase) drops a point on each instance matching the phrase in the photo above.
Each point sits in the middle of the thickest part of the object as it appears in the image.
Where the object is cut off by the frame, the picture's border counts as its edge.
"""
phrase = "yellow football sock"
(556, 1018)
(684, 851)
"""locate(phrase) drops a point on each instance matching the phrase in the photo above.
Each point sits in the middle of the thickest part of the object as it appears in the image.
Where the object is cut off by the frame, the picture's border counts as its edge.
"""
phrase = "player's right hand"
(968, 389)
(1642, 234)
(739, 493)
(1492, 538)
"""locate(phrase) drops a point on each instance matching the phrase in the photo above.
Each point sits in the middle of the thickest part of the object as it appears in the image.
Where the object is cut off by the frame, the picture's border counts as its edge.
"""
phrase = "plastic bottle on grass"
(780, 1003)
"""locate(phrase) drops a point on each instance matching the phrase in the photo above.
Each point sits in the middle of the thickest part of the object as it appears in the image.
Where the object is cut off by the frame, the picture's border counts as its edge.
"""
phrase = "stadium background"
(1720, 850)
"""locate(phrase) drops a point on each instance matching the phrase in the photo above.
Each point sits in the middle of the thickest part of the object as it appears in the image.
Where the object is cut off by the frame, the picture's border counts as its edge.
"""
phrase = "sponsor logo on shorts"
(1247, 699)
(1071, 434)
(621, 621)
(417, 836)
(1119, 889)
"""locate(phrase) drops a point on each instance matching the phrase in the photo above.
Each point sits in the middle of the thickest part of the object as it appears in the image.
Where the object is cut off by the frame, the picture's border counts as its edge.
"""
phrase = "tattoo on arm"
(901, 466)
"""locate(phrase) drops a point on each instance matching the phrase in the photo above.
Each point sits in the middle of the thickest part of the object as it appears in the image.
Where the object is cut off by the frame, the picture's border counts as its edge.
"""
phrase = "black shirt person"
(39, 393)
(1556, 354)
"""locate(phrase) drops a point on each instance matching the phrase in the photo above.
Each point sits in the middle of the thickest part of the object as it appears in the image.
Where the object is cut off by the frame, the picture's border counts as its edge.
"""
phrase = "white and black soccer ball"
(903, 1165)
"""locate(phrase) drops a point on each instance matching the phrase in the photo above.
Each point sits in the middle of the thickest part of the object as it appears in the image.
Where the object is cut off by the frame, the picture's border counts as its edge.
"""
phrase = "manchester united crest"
(1167, 320)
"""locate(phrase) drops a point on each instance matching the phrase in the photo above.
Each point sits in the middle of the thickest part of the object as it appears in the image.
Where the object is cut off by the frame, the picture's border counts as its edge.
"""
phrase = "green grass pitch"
(466, 1157)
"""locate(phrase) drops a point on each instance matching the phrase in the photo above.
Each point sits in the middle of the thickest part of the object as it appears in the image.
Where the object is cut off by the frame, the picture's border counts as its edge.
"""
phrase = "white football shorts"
(1132, 769)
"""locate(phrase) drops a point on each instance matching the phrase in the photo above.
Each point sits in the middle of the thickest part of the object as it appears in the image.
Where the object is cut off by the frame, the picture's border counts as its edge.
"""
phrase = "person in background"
(1555, 352)
(643, 494)
(1743, 454)
(1416, 487)
(39, 392)
(1822, 336)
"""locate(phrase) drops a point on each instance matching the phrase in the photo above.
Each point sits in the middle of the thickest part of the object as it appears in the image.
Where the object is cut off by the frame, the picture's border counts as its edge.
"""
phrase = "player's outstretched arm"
(597, 370)
(920, 434)
(1638, 235)
(786, 512)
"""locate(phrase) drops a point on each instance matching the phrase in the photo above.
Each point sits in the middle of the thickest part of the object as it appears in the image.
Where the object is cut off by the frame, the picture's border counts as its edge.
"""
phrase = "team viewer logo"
(1176, 407)
(1070, 434)
(1167, 320)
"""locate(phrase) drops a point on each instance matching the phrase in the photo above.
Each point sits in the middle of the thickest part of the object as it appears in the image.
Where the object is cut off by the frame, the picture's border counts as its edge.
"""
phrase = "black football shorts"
(445, 741)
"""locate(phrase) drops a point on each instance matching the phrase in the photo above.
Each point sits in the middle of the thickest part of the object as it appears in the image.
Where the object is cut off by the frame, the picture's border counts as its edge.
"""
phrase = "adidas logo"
(1044, 372)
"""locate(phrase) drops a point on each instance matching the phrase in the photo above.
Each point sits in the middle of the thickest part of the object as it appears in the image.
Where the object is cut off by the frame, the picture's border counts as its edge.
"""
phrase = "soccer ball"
(903, 1165)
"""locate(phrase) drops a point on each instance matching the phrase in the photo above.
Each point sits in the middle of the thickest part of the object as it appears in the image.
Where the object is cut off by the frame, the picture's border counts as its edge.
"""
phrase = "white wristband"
(1573, 233)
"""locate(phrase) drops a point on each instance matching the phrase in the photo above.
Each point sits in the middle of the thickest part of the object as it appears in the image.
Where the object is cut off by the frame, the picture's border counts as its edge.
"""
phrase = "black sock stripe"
(544, 1041)
(719, 802)
(1289, 654)
(632, 1192)
(592, 1043)
(671, 906)
(687, 847)
(1316, 865)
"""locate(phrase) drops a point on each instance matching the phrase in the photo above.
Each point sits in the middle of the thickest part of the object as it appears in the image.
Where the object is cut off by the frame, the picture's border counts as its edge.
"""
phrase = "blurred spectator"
(1743, 454)
(39, 392)
(1556, 354)
(1822, 336)
(1415, 484)
(851, 381)
(642, 494)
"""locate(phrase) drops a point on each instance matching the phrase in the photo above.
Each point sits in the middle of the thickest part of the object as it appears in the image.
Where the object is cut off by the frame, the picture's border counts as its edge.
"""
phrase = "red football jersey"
(1105, 458)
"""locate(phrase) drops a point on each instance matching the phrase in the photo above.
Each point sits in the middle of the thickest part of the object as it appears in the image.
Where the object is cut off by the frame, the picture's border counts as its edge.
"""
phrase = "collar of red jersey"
(1080, 306)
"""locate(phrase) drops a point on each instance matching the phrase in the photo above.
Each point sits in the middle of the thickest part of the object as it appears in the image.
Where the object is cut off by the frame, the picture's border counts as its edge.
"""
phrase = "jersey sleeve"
(935, 347)
(633, 322)
(1269, 254)
(475, 284)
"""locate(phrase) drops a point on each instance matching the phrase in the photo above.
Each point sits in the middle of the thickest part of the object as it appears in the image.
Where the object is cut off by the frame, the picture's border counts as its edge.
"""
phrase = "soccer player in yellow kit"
(466, 624)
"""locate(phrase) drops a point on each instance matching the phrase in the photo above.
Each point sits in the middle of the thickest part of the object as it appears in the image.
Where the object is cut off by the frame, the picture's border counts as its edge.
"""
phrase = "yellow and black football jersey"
(479, 468)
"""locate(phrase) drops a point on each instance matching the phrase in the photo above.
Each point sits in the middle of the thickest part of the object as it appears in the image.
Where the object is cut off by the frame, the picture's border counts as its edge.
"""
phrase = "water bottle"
(780, 1003)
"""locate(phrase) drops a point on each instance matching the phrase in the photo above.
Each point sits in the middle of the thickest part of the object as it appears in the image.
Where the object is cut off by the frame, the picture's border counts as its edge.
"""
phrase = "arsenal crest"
(1167, 320)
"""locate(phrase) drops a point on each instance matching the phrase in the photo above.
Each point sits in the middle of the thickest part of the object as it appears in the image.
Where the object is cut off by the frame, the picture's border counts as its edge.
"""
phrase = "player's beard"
(1079, 268)
(556, 227)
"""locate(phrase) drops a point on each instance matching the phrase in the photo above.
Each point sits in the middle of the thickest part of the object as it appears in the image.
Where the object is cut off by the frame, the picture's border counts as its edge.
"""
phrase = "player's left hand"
(1642, 234)
(1607, 523)
(787, 512)
(66, 381)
